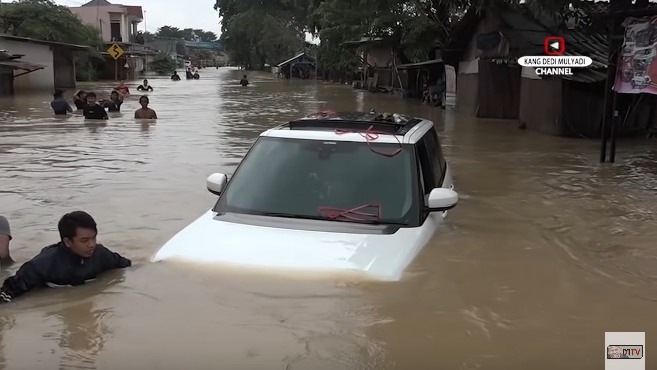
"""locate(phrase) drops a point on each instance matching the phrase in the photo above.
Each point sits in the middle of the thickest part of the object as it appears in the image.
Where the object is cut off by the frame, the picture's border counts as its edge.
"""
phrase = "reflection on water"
(546, 251)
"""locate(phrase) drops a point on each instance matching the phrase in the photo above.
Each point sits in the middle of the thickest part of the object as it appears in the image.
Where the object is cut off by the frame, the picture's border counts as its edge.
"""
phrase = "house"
(380, 61)
(301, 66)
(485, 48)
(118, 25)
(43, 65)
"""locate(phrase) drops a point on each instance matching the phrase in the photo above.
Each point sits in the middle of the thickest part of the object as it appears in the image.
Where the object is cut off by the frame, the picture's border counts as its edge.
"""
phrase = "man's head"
(614, 351)
(244, 76)
(58, 94)
(91, 98)
(145, 82)
(114, 95)
(175, 72)
(143, 101)
(78, 232)
(122, 83)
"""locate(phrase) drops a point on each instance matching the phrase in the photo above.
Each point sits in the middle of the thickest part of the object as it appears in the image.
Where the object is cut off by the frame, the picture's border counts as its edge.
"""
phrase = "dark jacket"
(57, 265)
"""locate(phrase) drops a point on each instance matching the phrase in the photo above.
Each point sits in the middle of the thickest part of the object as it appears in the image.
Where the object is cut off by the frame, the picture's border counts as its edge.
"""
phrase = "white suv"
(331, 191)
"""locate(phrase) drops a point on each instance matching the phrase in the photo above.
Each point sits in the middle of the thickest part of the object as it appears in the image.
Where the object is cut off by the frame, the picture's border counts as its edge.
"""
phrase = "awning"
(15, 64)
(374, 41)
(421, 64)
(295, 57)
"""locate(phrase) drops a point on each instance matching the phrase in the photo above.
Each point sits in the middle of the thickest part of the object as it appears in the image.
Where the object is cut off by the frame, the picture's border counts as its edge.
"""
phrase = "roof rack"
(356, 121)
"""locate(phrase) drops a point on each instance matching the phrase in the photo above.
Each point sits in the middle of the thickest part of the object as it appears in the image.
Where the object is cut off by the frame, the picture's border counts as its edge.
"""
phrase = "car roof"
(354, 126)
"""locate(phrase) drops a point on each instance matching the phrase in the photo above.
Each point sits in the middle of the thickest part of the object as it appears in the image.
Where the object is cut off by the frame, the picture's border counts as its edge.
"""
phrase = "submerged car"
(334, 191)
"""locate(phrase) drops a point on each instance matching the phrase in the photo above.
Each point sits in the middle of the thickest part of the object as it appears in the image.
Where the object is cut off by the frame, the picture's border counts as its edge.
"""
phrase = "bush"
(162, 64)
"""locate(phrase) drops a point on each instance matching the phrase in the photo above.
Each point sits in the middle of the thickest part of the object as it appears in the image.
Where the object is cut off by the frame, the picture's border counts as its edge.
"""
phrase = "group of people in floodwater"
(76, 257)
(94, 108)
(189, 74)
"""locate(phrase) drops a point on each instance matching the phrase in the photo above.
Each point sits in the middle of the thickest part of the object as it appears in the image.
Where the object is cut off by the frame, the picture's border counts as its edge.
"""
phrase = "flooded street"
(545, 252)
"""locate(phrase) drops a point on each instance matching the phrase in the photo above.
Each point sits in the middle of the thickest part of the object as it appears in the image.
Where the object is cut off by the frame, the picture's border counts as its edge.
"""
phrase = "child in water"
(145, 112)
(114, 104)
(80, 99)
(59, 105)
(92, 110)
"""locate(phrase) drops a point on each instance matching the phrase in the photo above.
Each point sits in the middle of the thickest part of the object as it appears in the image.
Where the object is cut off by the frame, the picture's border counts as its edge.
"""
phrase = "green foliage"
(163, 64)
(45, 20)
(189, 34)
(256, 32)
(202, 54)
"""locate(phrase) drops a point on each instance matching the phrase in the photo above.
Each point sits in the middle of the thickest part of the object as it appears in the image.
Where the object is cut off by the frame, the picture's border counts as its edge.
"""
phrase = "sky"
(158, 13)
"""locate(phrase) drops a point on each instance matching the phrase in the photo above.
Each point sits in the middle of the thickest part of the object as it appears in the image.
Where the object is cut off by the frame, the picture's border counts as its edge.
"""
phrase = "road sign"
(115, 51)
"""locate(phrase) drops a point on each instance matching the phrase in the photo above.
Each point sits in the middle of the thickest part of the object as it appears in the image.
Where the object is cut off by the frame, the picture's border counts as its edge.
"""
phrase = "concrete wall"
(64, 68)
(379, 57)
(43, 79)
(102, 16)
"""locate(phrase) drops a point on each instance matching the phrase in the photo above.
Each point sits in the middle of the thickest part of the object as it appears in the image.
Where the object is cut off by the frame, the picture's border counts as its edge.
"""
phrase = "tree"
(163, 64)
(45, 20)
(189, 34)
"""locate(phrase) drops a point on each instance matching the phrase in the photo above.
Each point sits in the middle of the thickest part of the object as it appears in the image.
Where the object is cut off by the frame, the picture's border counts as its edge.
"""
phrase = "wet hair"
(91, 95)
(70, 222)
(80, 93)
(244, 76)
(58, 93)
(144, 97)
(114, 92)
(145, 80)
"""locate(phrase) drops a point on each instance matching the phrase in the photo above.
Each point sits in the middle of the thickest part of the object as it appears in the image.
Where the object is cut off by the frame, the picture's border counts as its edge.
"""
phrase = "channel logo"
(555, 46)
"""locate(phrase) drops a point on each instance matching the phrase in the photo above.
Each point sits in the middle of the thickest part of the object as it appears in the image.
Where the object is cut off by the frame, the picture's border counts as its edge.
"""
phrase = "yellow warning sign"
(115, 51)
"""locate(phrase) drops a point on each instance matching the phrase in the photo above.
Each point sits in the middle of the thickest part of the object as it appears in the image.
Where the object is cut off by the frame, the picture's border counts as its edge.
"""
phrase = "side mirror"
(216, 183)
(442, 199)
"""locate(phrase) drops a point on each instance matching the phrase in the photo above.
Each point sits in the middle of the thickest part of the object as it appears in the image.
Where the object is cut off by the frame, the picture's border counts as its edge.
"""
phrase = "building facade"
(36, 65)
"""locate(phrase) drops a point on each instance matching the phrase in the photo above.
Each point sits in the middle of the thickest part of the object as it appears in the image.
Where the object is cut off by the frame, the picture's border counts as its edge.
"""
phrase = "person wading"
(145, 112)
(76, 259)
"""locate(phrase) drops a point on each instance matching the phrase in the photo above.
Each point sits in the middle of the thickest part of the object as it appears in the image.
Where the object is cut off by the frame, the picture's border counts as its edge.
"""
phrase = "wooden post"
(116, 69)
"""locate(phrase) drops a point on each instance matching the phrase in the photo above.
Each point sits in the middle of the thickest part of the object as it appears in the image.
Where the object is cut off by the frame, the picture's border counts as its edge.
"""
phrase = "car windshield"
(340, 180)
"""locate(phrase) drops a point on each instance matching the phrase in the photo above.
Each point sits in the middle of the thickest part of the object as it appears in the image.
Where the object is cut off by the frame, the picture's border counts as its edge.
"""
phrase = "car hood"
(211, 240)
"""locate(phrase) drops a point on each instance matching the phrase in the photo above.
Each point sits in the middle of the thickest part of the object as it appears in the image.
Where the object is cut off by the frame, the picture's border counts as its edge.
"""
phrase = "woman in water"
(145, 112)
(59, 105)
(80, 99)
(114, 104)
(145, 86)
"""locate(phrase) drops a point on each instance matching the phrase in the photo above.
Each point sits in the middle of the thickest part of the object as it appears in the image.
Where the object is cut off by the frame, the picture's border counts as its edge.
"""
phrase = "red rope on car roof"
(371, 135)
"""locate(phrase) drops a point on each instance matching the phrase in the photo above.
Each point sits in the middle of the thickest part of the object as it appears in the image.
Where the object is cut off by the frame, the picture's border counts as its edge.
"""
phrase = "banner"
(637, 65)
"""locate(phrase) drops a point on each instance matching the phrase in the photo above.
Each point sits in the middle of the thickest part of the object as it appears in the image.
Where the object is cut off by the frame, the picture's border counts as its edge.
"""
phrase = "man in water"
(80, 99)
(92, 110)
(244, 81)
(5, 238)
(75, 260)
(145, 112)
(59, 105)
(114, 104)
(123, 89)
(145, 86)
(175, 77)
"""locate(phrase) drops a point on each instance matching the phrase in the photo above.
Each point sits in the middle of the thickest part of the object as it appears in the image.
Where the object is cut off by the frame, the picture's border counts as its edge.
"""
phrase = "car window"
(296, 176)
(428, 180)
(436, 155)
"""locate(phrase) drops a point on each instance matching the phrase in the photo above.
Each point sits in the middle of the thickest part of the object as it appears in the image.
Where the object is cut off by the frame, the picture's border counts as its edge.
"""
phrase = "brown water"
(546, 251)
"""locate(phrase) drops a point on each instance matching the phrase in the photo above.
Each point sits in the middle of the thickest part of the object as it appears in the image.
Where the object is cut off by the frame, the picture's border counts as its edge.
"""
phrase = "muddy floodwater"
(546, 251)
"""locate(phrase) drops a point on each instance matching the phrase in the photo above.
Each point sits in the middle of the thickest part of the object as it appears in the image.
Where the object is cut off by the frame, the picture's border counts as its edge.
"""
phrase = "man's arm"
(137, 114)
(68, 108)
(105, 116)
(154, 115)
(112, 260)
(27, 278)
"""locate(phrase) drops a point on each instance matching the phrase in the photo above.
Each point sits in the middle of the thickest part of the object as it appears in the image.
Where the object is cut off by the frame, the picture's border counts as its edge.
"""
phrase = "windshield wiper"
(326, 218)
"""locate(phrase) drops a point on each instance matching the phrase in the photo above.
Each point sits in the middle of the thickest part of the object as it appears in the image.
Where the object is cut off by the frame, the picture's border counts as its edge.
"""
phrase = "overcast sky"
(158, 13)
